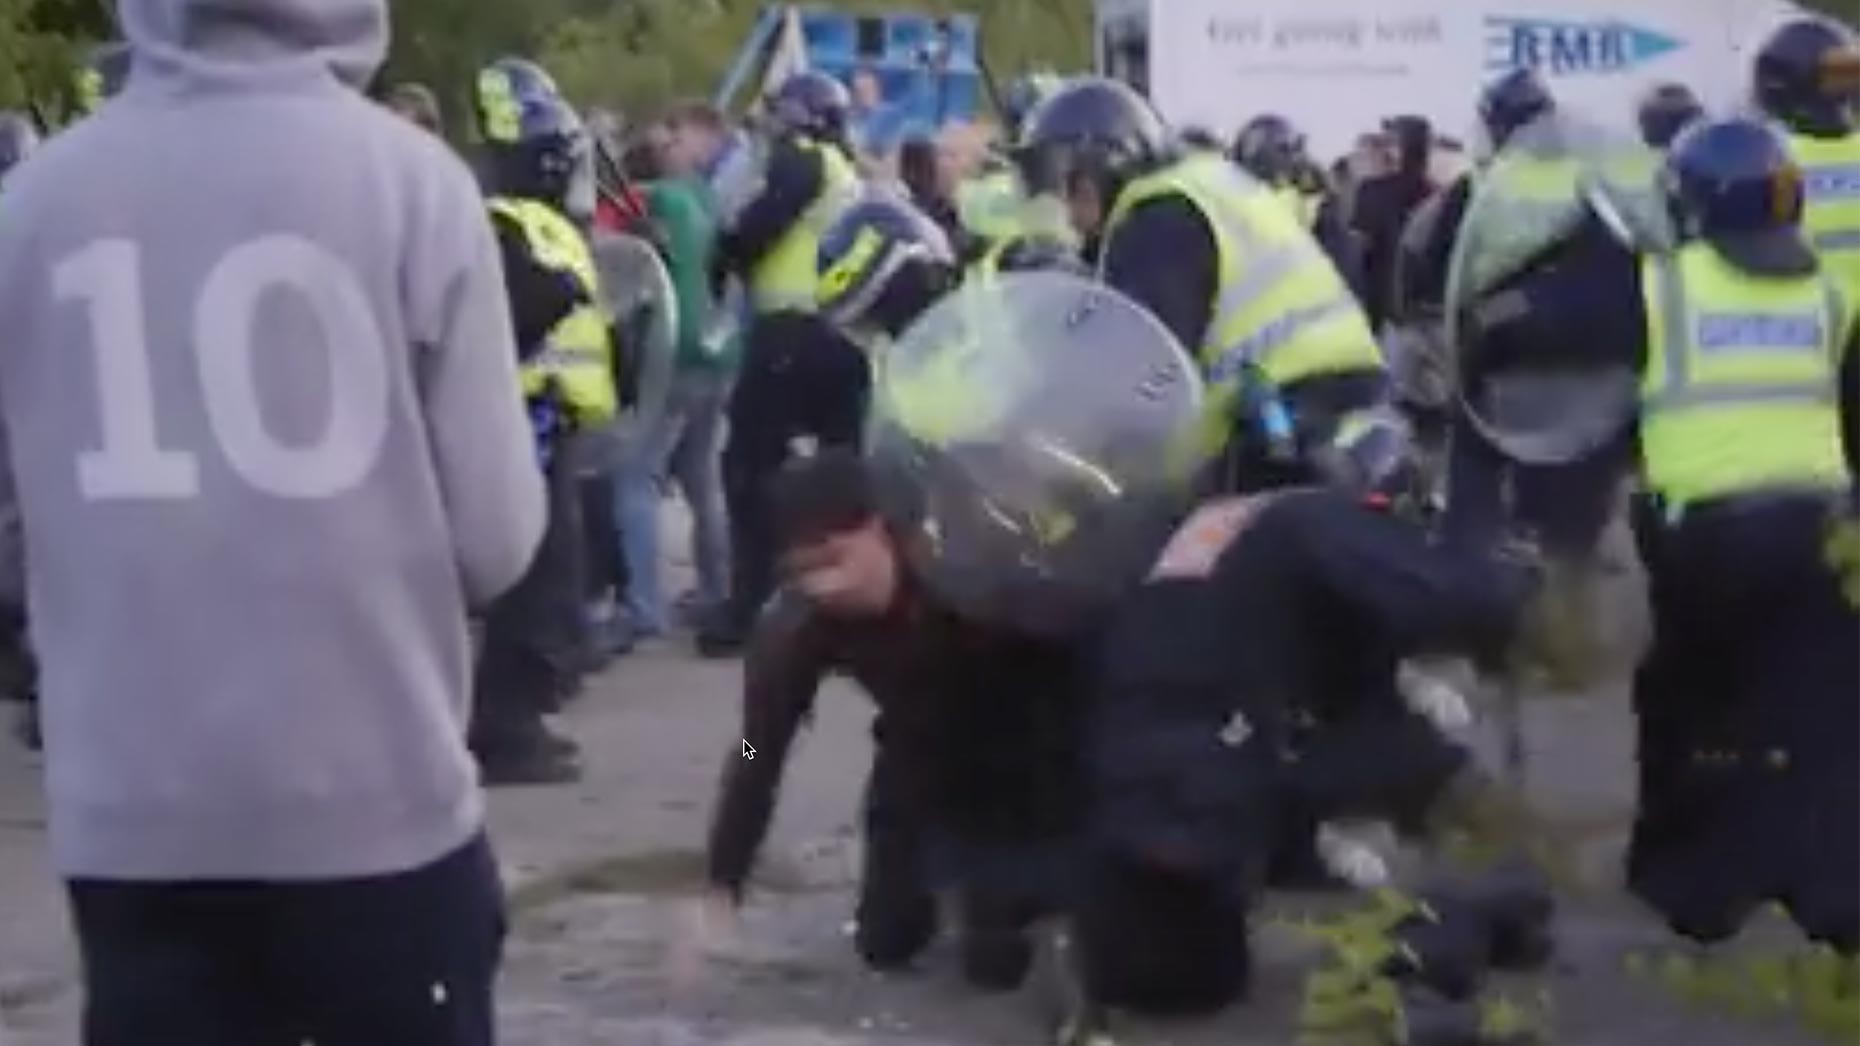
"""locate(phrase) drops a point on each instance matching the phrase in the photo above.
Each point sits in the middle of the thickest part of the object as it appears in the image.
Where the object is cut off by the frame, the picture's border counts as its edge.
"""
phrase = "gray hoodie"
(261, 420)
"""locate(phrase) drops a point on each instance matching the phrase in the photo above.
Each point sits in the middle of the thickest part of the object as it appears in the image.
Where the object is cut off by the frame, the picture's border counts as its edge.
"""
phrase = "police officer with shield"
(1282, 341)
(534, 145)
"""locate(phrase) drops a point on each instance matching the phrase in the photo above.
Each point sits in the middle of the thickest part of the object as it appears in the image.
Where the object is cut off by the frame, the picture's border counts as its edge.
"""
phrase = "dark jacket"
(977, 726)
(540, 296)
(1273, 680)
(1163, 255)
(1381, 212)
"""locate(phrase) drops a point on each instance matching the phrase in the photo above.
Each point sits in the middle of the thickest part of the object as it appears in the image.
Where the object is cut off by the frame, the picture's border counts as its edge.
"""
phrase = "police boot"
(1442, 949)
(1513, 904)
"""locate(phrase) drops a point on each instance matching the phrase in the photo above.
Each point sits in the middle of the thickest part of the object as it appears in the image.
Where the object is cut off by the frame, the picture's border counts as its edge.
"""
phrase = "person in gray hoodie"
(261, 424)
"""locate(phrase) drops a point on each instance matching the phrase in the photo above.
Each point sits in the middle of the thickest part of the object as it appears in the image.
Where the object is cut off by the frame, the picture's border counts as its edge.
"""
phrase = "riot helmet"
(811, 104)
(1270, 149)
(19, 137)
(881, 264)
(102, 76)
(1511, 102)
(1734, 186)
(1808, 77)
(1091, 137)
(535, 141)
(1666, 111)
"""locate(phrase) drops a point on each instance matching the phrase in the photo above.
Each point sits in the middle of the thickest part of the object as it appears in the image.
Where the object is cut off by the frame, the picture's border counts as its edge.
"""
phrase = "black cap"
(1780, 251)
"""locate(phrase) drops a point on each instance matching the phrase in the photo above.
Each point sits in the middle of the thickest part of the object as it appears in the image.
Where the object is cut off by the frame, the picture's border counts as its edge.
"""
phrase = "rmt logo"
(1561, 48)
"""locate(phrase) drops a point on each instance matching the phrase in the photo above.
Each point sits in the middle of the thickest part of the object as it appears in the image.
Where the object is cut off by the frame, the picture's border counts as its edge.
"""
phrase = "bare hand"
(706, 925)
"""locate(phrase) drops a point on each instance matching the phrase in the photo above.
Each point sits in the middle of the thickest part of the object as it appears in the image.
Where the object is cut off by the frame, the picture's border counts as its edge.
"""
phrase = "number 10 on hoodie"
(133, 464)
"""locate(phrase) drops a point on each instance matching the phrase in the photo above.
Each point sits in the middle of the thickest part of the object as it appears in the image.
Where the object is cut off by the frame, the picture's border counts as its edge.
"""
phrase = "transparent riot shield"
(1538, 193)
(1033, 431)
(1540, 188)
(638, 296)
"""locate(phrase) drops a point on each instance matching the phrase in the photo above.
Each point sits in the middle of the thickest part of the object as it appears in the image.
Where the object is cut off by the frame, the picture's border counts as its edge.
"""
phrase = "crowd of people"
(285, 417)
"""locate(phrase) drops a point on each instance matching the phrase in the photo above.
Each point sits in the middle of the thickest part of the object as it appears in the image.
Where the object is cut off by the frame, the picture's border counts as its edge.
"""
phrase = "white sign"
(1338, 68)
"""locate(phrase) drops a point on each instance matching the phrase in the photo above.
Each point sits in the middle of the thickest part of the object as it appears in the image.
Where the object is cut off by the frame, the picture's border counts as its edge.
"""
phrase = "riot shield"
(638, 297)
(1540, 188)
(1031, 431)
(1538, 193)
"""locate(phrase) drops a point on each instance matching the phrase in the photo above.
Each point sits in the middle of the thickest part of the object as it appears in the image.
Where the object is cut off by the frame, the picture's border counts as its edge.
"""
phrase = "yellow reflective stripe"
(1259, 347)
(1677, 390)
(788, 275)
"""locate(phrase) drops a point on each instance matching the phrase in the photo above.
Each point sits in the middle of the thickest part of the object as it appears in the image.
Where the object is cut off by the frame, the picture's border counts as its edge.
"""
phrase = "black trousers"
(399, 960)
(1749, 724)
(799, 379)
(1001, 886)
(533, 633)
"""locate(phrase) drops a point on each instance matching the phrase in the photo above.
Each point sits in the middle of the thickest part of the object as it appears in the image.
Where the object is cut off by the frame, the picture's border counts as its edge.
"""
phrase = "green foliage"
(42, 44)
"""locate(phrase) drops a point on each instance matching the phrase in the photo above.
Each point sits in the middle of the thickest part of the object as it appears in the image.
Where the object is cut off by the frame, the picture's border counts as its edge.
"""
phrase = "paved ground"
(602, 875)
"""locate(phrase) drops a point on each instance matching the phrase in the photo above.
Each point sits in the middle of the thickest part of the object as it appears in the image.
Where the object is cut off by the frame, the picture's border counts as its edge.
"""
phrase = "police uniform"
(1747, 725)
(1747, 715)
(1831, 220)
(790, 355)
(533, 650)
(1235, 277)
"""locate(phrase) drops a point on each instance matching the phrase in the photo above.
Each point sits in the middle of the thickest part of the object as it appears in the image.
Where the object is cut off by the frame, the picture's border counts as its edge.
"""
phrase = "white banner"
(1339, 67)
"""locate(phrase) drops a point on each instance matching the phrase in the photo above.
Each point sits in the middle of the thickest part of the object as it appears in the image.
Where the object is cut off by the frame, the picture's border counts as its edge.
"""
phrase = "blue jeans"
(683, 447)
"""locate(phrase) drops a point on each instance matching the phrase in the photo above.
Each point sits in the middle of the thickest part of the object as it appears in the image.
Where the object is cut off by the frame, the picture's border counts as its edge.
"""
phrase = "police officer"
(1667, 110)
(102, 76)
(1749, 733)
(808, 181)
(534, 150)
(881, 265)
(1272, 150)
(1224, 265)
(885, 262)
(1807, 76)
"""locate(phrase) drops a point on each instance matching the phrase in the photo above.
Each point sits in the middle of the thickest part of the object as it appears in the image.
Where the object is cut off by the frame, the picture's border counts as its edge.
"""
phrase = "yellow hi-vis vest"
(1739, 394)
(1280, 305)
(1831, 180)
(784, 279)
(579, 355)
(1300, 203)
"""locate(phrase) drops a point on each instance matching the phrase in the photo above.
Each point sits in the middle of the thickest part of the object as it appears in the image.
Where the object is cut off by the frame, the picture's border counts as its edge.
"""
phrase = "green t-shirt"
(686, 213)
